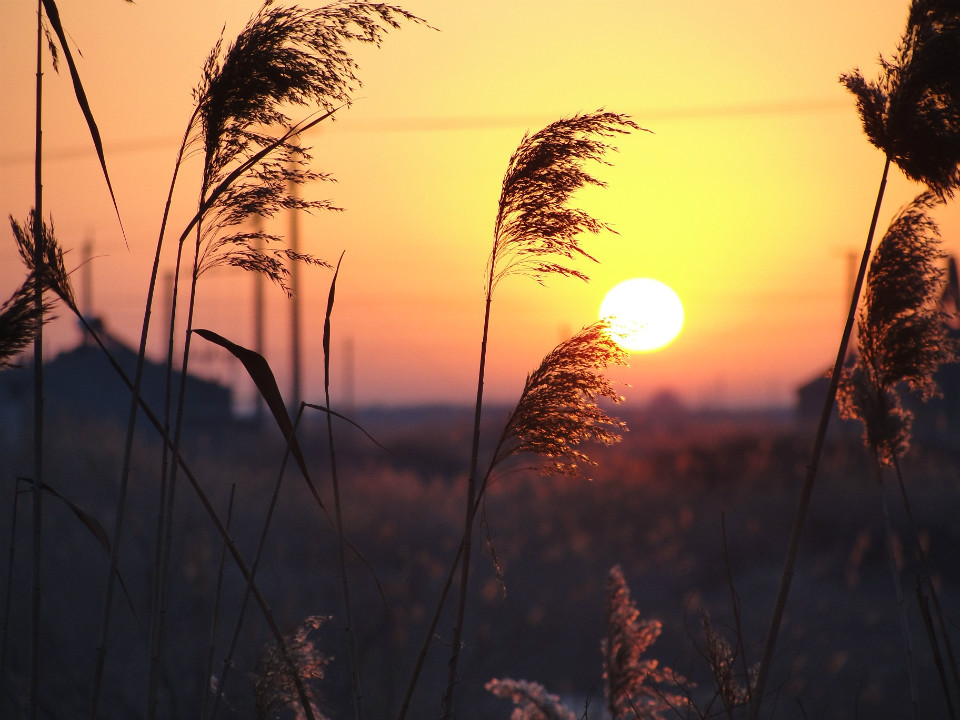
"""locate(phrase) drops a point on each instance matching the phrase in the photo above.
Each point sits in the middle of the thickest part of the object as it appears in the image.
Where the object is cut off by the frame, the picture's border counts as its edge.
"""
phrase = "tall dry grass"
(912, 114)
(252, 167)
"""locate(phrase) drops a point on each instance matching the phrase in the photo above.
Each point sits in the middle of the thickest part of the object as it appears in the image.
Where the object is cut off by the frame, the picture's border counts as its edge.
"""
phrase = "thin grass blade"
(259, 370)
(53, 15)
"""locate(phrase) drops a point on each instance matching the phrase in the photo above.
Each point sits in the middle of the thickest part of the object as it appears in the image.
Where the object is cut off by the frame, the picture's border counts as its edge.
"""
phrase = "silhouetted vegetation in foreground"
(691, 507)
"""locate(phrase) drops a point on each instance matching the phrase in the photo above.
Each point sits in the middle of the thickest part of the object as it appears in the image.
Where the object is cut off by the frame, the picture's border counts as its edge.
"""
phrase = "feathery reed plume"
(535, 231)
(274, 687)
(535, 234)
(532, 700)
(912, 111)
(19, 322)
(631, 680)
(903, 340)
(902, 334)
(55, 275)
(720, 658)
(284, 56)
(912, 114)
(558, 408)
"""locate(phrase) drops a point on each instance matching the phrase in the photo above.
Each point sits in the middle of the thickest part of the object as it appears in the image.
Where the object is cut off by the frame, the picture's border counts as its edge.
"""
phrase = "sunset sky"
(748, 197)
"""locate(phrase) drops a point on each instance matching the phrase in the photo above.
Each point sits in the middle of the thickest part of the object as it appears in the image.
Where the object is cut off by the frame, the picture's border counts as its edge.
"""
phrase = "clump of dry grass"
(720, 658)
(903, 336)
(532, 700)
(275, 686)
(631, 679)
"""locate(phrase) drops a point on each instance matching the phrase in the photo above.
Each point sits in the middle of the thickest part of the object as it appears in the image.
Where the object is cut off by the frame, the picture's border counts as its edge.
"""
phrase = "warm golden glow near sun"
(645, 314)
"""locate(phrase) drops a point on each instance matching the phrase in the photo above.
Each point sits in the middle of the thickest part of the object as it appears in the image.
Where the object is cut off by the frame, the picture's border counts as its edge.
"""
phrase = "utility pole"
(258, 322)
(295, 395)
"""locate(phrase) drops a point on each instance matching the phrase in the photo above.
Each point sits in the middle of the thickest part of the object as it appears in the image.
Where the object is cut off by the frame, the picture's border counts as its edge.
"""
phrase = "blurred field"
(657, 505)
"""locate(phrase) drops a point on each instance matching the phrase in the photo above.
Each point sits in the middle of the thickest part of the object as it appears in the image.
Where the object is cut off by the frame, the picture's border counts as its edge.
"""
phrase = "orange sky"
(747, 199)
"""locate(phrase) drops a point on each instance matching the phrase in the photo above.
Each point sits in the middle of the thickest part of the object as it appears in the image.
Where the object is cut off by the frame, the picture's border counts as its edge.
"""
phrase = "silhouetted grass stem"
(807, 489)
(38, 264)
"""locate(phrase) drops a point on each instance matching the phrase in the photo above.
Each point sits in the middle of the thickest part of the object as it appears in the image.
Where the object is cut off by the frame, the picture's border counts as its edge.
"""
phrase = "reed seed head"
(19, 322)
(532, 700)
(536, 232)
(284, 57)
(55, 275)
(630, 679)
(274, 686)
(912, 111)
(559, 407)
(903, 330)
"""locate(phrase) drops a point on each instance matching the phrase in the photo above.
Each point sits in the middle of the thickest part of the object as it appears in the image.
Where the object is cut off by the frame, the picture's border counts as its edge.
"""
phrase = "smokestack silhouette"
(258, 345)
(295, 394)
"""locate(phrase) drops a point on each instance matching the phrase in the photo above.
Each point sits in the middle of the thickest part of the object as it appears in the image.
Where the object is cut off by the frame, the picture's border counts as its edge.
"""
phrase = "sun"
(645, 314)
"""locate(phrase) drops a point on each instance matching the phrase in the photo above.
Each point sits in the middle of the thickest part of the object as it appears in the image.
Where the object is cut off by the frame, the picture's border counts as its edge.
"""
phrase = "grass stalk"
(135, 403)
(806, 491)
(215, 519)
(937, 632)
(165, 520)
(38, 264)
(8, 594)
(924, 603)
(214, 625)
(235, 637)
(897, 588)
(471, 511)
(337, 510)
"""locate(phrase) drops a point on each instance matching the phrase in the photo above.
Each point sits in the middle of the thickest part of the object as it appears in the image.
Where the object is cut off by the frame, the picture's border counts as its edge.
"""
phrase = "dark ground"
(695, 507)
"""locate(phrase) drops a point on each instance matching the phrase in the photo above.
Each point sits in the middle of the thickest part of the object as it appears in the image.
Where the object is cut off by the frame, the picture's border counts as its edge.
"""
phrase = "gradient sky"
(748, 198)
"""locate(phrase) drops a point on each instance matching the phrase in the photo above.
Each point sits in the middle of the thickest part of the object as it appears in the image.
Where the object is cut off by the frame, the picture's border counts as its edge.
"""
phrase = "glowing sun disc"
(644, 314)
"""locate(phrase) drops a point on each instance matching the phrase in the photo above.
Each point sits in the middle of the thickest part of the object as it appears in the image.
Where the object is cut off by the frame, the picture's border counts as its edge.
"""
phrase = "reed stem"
(39, 243)
(806, 491)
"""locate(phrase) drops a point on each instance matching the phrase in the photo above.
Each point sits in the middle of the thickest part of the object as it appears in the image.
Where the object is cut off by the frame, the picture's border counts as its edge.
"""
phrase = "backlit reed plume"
(902, 331)
(252, 165)
(532, 700)
(19, 322)
(55, 276)
(630, 679)
(912, 111)
(559, 409)
(912, 114)
(20, 319)
(536, 234)
(903, 341)
(275, 692)
(720, 659)
(283, 57)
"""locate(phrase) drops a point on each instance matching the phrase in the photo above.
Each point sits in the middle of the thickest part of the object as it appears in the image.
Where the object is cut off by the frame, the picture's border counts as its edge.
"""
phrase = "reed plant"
(911, 113)
(535, 234)
(903, 341)
(283, 57)
(635, 686)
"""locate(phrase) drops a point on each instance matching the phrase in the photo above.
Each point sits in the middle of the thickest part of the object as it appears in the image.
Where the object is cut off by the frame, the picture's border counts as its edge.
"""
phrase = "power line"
(459, 124)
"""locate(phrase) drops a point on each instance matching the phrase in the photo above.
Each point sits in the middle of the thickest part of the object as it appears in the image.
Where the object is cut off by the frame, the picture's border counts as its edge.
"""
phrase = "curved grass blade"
(259, 370)
(53, 15)
(101, 536)
(358, 426)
